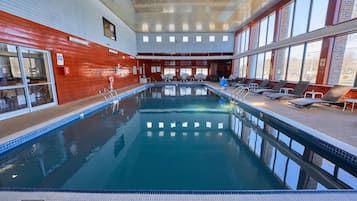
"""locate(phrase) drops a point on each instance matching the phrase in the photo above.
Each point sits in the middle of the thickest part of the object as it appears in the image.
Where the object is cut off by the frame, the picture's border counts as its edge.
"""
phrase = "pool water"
(169, 138)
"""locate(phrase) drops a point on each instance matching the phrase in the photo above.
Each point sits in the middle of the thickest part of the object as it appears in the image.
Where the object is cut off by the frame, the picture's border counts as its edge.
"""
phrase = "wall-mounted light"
(77, 40)
(113, 51)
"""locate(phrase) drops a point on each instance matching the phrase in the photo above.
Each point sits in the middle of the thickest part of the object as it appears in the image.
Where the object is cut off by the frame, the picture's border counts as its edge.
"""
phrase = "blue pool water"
(171, 138)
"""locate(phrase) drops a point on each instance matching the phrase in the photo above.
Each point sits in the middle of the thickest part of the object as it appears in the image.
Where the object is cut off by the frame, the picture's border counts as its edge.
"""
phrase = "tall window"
(254, 36)
(263, 31)
(243, 41)
(203, 71)
(302, 9)
(267, 65)
(281, 63)
(311, 62)
(171, 71)
(253, 65)
(260, 66)
(318, 14)
(271, 27)
(348, 10)
(286, 14)
(242, 67)
(344, 60)
(187, 71)
(295, 63)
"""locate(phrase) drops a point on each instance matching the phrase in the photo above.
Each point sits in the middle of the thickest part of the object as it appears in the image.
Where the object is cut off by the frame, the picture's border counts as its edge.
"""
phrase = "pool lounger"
(276, 88)
(331, 97)
(297, 92)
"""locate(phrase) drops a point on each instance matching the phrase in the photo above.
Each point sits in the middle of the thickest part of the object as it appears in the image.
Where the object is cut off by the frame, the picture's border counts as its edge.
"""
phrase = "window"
(212, 38)
(253, 65)
(145, 39)
(255, 33)
(295, 63)
(187, 71)
(242, 67)
(344, 60)
(172, 39)
(243, 41)
(203, 71)
(271, 27)
(225, 38)
(185, 39)
(158, 39)
(267, 65)
(286, 14)
(171, 71)
(302, 9)
(318, 14)
(198, 38)
(281, 63)
(263, 31)
(347, 10)
(260, 66)
(311, 61)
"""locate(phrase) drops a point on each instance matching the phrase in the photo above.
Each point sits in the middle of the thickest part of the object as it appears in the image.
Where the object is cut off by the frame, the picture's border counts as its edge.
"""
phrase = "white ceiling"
(187, 15)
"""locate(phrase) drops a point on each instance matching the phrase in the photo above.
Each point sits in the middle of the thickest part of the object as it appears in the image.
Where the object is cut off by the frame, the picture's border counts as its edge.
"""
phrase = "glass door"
(26, 80)
(12, 88)
(38, 77)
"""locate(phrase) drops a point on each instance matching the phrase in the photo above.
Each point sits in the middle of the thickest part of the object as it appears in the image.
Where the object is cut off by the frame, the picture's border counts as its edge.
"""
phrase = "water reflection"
(293, 163)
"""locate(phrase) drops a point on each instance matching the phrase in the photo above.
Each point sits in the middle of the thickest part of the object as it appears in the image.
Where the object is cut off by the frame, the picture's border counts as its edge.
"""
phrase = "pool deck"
(332, 122)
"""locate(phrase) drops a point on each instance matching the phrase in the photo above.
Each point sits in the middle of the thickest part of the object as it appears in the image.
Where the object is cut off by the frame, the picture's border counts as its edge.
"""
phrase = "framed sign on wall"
(109, 29)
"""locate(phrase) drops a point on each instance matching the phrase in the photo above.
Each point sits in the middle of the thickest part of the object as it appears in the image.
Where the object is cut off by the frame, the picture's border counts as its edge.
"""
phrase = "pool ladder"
(109, 94)
(240, 92)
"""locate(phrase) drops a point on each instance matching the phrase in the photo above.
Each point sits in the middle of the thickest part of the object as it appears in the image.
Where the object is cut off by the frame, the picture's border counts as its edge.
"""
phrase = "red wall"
(89, 66)
(223, 67)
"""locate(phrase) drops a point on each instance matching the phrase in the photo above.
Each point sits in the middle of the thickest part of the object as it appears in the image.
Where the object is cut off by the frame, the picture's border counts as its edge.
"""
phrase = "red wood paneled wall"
(89, 66)
(223, 67)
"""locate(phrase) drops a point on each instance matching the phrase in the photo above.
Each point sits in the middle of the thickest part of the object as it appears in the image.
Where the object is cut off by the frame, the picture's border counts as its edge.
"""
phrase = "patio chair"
(298, 91)
(331, 97)
(276, 88)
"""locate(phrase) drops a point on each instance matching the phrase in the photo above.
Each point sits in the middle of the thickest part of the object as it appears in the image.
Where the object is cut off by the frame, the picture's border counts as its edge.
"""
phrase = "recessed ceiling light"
(145, 27)
(184, 26)
(199, 26)
(171, 27)
(158, 27)
(212, 26)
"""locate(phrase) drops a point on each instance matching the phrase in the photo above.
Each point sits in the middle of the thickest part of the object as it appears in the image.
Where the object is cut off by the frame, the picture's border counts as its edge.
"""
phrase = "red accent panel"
(89, 66)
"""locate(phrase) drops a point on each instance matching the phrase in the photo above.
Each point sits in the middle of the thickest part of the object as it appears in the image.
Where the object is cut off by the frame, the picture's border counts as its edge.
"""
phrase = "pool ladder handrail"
(108, 94)
(240, 92)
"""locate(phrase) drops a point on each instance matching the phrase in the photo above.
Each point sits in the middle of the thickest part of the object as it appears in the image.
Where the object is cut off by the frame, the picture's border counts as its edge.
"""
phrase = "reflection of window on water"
(119, 145)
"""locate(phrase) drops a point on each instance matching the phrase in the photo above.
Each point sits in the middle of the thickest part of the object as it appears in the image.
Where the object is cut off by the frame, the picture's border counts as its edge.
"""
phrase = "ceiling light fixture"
(77, 40)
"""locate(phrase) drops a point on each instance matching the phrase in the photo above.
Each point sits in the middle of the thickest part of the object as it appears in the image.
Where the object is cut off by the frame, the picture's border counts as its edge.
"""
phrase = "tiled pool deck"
(333, 124)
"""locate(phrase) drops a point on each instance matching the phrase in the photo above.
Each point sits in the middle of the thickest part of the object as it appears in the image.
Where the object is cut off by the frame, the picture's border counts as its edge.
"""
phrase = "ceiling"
(186, 15)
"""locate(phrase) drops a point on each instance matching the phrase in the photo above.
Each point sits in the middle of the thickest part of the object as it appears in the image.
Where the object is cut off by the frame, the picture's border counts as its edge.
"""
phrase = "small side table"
(349, 100)
(285, 90)
(313, 94)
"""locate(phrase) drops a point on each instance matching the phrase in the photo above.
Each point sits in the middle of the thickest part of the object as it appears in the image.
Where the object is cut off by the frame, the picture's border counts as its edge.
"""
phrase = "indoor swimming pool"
(177, 138)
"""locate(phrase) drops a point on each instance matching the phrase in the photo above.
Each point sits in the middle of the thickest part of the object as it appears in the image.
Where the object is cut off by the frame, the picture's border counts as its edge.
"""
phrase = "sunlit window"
(286, 14)
(225, 38)
(211, 38)
(173, 134)
(173, 124)
(344, 60)
(198, 38)
(203, 71)
(281, 63)
(149, 133)
(347, 11)
(311, 61)
(302, 9)
(161, 133)
(220, 125)
(185, 39)
(161, 124)
(159, 39)
(295, 63)
(171, 39)
(318, 14)
(196, 134)
(145, 39)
